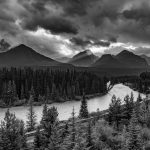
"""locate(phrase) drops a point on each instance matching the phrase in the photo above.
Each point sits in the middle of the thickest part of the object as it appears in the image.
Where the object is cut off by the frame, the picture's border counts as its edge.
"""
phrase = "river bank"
(77, 98)
(65, 108)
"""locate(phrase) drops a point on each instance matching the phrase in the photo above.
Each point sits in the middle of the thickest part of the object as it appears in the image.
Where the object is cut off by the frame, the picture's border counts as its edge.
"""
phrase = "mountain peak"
(84, 58)
(23, 55)
(125, 52)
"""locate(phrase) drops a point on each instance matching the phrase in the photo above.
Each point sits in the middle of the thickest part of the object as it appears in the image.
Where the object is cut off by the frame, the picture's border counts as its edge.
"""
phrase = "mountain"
(131, 60)
(23, 55)
(107, 61)
(84, 59)
(146, 58)
(124, 59)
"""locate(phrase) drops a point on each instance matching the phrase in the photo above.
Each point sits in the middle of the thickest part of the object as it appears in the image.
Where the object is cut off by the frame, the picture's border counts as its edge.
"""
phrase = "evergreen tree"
(48, 94)
(139, 99)
(38, 139)
(31, 123)
(22, 93)
(128, 108)
(12, 133)
(134, 141)
(73, 130)
(44, 115)
(51, 130)
(83, 109)
(14, 93)
(89, 137)
(54, 92)
(115, 112)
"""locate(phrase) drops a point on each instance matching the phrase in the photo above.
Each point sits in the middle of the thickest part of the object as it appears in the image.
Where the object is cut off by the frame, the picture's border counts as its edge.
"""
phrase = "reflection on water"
(65, 108)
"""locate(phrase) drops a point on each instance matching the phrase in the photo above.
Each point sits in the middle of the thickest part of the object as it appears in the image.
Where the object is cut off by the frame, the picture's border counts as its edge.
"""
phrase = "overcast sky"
(58, 28)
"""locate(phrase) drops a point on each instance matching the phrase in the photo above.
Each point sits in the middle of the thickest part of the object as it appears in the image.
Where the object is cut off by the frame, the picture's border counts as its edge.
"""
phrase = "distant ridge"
(107, 61)
(23, 55)
(84, 59)
(124, 59)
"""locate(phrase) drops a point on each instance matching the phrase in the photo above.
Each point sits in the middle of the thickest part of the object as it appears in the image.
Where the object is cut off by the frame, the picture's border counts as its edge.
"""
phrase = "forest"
(125, 126)
(46, 84)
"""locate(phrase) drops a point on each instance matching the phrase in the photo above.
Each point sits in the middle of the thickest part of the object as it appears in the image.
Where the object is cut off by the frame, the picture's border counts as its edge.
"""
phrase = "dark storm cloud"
(80, 42)
(74, 7)
(107, 21)
(140, 14)
(54, 24)
(102, 43)
(40, 16)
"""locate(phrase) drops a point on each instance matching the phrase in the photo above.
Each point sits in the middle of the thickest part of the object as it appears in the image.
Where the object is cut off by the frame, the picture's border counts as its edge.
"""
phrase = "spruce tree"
(31, 122)
(22, 96)
(89, 137)
(51, 130)
(44, 115)
(115, 112)
(73, 130)
(134, 141)
(38, 139)
(48, 94)
(12, 133)
(83, 108)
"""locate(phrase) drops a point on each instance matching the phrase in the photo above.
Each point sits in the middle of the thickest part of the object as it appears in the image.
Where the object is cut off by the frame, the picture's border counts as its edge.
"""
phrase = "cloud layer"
(69, 26)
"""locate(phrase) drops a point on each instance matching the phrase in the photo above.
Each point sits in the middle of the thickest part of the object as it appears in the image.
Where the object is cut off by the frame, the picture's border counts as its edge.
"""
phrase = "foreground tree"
(114, 114)
(89, 137)
(12, 133)
(38, 139)
(83, 109)
(134, 138)
(31, 122)
(50, 123)
(44, 115)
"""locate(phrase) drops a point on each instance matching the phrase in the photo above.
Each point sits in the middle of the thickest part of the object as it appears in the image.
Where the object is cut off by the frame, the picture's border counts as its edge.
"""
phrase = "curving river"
(65, 108)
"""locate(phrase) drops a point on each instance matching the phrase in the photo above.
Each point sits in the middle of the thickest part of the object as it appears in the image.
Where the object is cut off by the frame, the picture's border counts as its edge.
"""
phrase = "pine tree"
(26, 90)
(44, 115)
(134, 141)
(31, 116)
(128, 108)
(14, 93)
(54, 92)
(48, 94)
(51, 130)
(38, 139)
(89, 137)
(139, 99)
(12, 133)
(22, 93)
(73, 130)
(115, 112)
(83, 109)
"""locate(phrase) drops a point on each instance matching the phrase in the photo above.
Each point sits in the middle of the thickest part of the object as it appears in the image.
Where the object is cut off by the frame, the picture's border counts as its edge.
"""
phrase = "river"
(65, 109)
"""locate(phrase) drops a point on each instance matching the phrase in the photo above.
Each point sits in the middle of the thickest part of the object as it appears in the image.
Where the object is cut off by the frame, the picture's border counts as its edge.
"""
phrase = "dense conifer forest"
(46, 84)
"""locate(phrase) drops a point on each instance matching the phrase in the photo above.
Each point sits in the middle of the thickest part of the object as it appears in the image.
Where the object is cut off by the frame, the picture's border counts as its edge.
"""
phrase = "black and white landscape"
(74, 74)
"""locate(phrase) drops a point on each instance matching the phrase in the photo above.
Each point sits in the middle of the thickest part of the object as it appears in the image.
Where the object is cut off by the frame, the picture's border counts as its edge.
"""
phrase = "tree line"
(46, 84)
